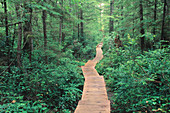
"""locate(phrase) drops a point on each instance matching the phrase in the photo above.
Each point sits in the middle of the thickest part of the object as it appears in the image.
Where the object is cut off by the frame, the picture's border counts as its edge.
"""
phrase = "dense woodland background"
(43, 43)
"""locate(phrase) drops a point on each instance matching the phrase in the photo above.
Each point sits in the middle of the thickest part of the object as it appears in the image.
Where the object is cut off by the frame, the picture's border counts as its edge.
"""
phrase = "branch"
(141, 67)
(12, 24)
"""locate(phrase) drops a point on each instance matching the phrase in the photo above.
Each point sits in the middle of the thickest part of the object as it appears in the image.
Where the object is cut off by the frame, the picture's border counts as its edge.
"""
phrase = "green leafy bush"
(44, 88)
(138, 82)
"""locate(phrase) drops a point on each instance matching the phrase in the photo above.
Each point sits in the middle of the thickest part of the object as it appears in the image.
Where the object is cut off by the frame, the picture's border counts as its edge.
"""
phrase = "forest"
(44, 43)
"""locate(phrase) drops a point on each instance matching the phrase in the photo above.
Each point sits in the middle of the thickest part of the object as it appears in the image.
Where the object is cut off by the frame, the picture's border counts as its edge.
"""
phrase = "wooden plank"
(96, 92)
(92, 108)
(94, 98)
(95, 77)
(96, 102)
(91, 111)
(84, 97)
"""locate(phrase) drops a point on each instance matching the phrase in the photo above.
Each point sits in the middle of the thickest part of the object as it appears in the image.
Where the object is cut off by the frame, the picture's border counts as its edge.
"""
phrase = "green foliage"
(47, 87)
(138, 82)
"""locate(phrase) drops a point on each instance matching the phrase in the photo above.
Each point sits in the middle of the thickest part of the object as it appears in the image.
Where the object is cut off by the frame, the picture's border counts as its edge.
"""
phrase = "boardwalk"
(94, 98)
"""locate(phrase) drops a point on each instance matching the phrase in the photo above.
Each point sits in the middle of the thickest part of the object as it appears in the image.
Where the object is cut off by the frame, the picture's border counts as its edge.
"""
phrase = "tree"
(27, 29)
(61, 23)
(81, 24)
(155, 11)
(111, 14)
(7, 34)
(142, 31)
(78, 26)
(163, 22)
(44, 16)
(19, 63)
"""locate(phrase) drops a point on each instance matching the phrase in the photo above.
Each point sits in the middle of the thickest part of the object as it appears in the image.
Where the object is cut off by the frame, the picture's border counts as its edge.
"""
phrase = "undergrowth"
(139, 82)
(38, 87)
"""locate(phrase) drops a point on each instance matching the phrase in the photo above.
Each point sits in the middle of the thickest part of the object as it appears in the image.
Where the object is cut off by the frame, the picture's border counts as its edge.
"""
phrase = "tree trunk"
(44, 16)
(13, 37)
(155, 10)
(78, 27)
(6, 22)
(7, 35)
(31, 37)
(111, 14)
(27, 46)
(63, 34)
(163, 22)
(19, 45)
(133, 25)
(74, 31)
(122, 31)
(60, 31)
(19, 62)
(61, 24)
(101, 16)
(81, 24)
(141, 25)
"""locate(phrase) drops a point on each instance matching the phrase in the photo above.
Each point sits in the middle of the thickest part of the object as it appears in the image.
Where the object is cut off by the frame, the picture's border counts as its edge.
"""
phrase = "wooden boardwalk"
(94, 98)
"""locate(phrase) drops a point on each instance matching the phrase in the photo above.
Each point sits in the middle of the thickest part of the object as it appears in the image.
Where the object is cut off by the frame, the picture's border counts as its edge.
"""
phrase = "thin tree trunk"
(141, 25)
(163, 21)
(133, 25)
(61, 24)
(7, 35)
(13, 37)
(101, 16)
(30, 38)
(155, 11)
(44, 16)
(19, 63)
(73, 27)
(122, 31)
(81, 24)
(28, 31)
(60, 30)
(111, 14)
(6, 22)
(63, 34)
(19, 45)
(78, 27)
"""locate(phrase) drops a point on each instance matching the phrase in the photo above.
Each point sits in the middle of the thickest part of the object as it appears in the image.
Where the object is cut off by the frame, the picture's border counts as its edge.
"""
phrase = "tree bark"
(13, 37)
(44, 16)
(28, 30)
(81, 24)
(7, 35)
(19, 62)
(122, 31)
(155, 11)
(6, 22)
(60, 30)
(111, 14)
(141, 26)
(63, 34)
(163, 21)
(61, 24)
(101, 16)
(78, 27)
(133, 25)
(31, 37)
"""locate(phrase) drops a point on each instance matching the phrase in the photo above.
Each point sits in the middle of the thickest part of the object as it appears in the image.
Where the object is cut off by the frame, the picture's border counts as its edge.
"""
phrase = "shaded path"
(94, 98)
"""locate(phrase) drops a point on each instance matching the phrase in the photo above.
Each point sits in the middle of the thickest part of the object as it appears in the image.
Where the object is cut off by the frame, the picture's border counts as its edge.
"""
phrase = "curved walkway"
(94, 98)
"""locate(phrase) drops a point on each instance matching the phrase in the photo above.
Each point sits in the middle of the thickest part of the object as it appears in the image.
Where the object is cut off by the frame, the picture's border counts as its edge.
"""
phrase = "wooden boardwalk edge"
(94, 98)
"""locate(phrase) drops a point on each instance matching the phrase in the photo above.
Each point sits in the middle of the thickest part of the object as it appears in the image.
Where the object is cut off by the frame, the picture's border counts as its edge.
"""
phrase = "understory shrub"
(139, 82)
(42, 88)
